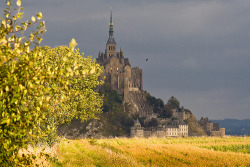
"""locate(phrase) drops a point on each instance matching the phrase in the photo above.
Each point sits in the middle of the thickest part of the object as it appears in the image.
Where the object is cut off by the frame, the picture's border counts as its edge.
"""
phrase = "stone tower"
(111, 44)
(117, 69)
(137, 130)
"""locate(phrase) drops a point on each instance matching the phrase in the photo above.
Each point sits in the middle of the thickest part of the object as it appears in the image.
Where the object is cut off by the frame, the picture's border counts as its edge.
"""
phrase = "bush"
(112, 101)
(152, 123)
(39, 87)
(157, 103)
(173, 103)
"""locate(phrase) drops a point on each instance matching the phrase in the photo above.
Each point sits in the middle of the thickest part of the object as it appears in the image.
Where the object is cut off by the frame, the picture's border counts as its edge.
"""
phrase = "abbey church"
(153, 121)
(117, 69)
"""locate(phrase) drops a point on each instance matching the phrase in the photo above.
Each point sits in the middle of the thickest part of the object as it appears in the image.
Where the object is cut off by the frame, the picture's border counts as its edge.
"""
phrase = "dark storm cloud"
(198, 50)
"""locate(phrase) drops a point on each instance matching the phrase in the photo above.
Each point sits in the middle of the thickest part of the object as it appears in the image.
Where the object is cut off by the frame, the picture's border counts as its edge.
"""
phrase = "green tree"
(20, 84)
(167, 112)
(152, 123)
(112, 101)
(157, 103)
(74, 80)
(39, 86)
(173, 103)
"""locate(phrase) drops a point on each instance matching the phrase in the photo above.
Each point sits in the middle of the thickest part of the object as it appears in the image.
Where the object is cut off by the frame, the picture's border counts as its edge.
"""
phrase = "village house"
(176, 129)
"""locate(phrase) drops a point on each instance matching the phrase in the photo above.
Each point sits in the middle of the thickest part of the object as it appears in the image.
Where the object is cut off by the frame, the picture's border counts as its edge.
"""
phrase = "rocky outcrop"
(76, 129)
(194, 129)
(137, 103)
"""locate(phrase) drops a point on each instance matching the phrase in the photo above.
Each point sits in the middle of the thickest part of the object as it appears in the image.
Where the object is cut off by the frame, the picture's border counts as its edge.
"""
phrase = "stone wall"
(212, 129)
(160, 132)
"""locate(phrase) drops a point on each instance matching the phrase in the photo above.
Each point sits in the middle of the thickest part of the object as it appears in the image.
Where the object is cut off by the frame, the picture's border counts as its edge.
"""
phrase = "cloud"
(198, 50)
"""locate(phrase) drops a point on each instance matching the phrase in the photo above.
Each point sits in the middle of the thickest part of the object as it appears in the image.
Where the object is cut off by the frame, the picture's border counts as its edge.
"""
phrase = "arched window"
(111, 69)
(117, 70)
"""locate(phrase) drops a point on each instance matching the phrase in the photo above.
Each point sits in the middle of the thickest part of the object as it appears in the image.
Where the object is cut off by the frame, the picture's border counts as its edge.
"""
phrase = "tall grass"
(243, 148)
(228, 151)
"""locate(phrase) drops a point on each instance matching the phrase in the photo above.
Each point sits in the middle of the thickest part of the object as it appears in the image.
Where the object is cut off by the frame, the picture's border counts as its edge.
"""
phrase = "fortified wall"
(212, 129)
(177, 129)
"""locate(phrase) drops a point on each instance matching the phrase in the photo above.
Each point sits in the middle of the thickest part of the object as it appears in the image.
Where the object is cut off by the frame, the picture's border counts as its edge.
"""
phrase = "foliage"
(20, 84)
(194, 129)
(152, 123)
(112, 101)
(140, 119)
(153, 152)
(157, 103)
(79, 99)
(112, 122)
(166, 112)
(173, 103)
(39, 87)
(116, 123)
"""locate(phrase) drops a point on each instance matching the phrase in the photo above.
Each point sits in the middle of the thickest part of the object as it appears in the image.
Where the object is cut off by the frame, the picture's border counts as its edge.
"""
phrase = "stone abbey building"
(117, 69)
(176, 129)
(127, 80)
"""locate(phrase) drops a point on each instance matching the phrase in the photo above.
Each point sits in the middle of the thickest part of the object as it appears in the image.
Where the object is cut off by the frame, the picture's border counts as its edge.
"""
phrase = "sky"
(198, 50)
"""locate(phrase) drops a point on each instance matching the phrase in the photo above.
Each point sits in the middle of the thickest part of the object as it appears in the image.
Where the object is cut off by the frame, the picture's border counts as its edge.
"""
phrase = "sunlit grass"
(245, 148)
(227, 151)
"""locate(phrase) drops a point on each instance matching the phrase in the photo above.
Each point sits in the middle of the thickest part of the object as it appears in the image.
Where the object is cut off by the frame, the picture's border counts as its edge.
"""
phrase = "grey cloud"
(198, 50)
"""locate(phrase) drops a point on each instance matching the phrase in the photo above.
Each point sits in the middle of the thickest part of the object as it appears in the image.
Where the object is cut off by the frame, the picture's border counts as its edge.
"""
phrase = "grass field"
(205, 151)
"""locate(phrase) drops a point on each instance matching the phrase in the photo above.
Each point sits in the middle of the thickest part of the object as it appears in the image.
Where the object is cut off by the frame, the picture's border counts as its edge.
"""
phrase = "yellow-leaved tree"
(40, 87)
(73, 79)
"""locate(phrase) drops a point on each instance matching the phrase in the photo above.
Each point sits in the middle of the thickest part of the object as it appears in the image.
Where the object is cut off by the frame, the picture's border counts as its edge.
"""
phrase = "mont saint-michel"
(62, 107)
(131, 111)
(135, 106)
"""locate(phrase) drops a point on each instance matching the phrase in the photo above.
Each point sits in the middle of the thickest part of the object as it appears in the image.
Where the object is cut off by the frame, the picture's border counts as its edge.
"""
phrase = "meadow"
(138, 152)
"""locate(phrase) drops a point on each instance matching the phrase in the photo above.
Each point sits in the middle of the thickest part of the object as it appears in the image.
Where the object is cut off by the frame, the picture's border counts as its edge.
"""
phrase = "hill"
(118, 117)
(235, 127)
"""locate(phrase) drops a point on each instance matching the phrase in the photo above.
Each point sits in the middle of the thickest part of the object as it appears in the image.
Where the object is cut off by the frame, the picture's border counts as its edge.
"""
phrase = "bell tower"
(111, 44)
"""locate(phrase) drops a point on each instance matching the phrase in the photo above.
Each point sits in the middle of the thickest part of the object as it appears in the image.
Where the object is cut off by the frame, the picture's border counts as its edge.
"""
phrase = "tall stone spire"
(111, 39)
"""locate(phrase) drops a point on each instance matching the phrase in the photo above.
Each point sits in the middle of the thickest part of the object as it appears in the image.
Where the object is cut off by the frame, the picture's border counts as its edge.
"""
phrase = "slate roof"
(111, 40)
(126, 62)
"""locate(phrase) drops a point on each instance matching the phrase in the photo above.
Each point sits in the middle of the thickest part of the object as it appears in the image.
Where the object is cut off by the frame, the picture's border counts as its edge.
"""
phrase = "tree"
(20, 85)
(167, 112)
(112, 101)
(152, 123)
(160, 103)
(39, 85)
(157, 103)
(74, 81)
(173, 103)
